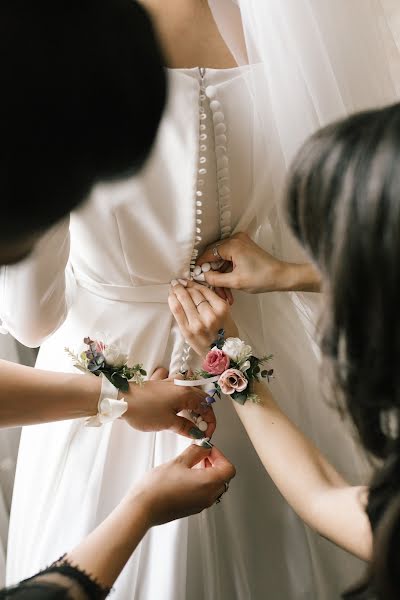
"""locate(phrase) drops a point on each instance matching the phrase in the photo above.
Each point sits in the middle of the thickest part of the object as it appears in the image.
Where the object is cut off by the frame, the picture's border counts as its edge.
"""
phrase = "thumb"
(193, 455)
(220, 280)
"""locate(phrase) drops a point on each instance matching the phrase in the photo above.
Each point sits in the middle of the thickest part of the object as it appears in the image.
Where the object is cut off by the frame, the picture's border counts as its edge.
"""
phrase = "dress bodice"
(195, 188)
(132, 237)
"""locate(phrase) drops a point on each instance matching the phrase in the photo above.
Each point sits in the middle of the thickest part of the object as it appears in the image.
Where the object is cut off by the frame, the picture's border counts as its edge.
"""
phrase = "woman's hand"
(177, 489)
(154, 406)
(249, 268)
(171, 491)
(200, 314)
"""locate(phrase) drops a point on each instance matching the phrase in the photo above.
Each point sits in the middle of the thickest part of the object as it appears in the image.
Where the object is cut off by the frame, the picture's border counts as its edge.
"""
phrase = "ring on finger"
(226, 485)
(216, 252)
(201, 302)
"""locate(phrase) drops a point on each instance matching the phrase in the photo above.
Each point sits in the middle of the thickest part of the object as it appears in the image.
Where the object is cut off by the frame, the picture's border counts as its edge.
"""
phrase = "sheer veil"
(321, 60)
(318, 60)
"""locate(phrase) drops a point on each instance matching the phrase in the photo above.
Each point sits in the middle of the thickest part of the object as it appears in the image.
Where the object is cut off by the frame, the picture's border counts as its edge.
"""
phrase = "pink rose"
(216, 362)
(232, 381)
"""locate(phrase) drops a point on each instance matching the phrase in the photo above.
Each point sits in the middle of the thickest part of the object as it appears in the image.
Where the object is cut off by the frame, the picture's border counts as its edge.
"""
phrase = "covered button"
(211, 92)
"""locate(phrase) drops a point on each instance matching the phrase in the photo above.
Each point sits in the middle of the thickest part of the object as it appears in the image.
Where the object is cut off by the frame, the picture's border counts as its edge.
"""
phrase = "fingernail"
(196, 434)
(174, 282)
(183, 282)
(200, 277)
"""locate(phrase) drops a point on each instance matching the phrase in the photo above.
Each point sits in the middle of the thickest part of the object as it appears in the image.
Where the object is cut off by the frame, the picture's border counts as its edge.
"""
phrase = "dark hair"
(344, 207)
(82, 92)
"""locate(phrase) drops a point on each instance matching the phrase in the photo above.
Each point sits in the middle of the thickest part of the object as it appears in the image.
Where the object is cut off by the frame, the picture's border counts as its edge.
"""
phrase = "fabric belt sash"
(124, 293)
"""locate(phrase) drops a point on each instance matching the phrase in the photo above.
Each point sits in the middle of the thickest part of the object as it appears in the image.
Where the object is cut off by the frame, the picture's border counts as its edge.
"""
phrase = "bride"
(107, 269)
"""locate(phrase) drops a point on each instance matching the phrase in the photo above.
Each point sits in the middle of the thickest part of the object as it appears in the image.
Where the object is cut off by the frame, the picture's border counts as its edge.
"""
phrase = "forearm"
(314, 489)
(30, 396)
(105, 552)
(280, 445)
(294, 277)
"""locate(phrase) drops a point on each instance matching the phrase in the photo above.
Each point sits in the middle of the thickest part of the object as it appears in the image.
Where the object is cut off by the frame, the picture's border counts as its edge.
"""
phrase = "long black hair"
(82, 92)
(344, 207)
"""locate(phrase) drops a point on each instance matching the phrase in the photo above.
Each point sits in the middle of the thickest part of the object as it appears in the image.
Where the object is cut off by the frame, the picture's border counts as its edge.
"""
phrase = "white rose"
(237, 350)
(114, 357)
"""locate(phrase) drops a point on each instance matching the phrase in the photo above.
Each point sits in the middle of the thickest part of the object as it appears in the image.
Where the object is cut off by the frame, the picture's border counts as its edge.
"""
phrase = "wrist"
(303, 278)
(294, 277)
(87, 389)
(132, 399)
(286, 276)
(140, 504)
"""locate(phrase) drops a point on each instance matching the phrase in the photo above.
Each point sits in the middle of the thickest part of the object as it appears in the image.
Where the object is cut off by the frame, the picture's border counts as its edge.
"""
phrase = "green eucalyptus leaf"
(240, 398)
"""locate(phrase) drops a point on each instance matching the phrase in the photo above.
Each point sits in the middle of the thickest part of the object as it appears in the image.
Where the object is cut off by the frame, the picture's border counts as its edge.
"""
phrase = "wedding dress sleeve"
(35, 293)
(61, 581)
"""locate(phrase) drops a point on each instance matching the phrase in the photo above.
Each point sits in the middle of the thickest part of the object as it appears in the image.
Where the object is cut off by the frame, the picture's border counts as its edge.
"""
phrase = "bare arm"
(182, 487)
(169, 492)
(30, 396)
(319, 495)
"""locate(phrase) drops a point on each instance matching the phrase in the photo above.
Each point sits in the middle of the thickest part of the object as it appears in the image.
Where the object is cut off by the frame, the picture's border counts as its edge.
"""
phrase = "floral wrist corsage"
(231, 367)
(108, 360)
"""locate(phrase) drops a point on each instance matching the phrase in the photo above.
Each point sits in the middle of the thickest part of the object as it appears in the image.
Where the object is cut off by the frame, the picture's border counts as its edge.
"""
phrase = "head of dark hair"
(344, 207)
(82, 92)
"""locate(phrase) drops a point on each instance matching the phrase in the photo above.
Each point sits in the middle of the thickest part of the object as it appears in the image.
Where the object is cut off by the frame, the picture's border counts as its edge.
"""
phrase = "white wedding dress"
(107, 269)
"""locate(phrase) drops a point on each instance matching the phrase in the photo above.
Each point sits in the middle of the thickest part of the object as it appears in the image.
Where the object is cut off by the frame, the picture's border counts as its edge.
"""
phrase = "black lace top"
(61, 581)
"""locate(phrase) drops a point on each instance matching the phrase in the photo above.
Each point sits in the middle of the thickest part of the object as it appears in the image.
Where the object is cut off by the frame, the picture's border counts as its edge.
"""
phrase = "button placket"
(199, 199)
(210, 94)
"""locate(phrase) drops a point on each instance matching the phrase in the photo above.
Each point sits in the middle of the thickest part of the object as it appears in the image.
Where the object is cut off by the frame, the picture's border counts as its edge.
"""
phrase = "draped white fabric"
(322, 60)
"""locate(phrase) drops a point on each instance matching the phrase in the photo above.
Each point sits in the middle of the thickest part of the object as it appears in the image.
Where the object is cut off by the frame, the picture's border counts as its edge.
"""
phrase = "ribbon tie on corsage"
(109, 407)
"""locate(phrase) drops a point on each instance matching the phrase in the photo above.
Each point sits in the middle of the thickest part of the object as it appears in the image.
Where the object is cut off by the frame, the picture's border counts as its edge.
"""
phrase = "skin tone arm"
(249, 268)
(182, 487)
(319, 495)
(169, 492)
(314, 489)
(30, 396)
